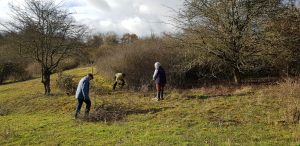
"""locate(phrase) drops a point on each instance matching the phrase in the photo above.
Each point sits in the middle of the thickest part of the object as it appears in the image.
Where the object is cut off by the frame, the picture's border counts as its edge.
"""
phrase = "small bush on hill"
(108, 113)
(66, 83)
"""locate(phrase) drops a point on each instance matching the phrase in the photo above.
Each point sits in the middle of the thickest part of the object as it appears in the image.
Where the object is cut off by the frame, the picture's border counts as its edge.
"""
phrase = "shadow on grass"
(218, 95)
(4, 111)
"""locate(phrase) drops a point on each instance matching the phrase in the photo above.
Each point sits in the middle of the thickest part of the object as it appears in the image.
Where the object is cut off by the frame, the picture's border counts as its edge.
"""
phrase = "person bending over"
(119, 79)
(82, 95)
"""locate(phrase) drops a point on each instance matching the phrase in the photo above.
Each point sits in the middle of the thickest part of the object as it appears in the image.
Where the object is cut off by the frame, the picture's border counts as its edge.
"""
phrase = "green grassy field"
(246, 116)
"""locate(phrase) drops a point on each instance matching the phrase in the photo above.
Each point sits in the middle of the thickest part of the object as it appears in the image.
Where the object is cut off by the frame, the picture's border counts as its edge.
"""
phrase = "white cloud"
(101, 4)
(141, 17)
(144, 9)
(132, 24)
(105, 23)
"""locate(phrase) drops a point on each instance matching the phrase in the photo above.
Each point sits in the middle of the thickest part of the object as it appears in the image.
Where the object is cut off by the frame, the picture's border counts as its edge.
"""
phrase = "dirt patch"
(115, 112)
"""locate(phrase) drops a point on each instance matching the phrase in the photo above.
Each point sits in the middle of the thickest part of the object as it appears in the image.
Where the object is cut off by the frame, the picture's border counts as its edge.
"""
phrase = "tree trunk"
(237, 76)
(46, 80)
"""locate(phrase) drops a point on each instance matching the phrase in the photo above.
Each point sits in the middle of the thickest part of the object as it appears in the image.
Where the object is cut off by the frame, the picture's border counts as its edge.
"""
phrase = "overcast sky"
(141, 17)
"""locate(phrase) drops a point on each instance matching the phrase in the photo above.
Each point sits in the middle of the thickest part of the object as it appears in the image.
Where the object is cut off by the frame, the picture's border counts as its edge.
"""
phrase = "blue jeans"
(87, 108)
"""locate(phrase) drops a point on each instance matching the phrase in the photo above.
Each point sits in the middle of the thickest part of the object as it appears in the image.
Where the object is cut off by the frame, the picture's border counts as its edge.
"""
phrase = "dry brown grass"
(288, 88)
(288, 92)
(229, 90)
(34, 69)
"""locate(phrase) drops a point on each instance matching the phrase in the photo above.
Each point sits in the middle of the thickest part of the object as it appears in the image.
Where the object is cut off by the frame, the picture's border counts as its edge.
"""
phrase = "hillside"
(241, 116)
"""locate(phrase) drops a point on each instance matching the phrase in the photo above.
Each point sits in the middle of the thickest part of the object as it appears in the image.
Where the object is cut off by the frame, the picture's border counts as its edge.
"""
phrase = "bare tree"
(46, 32)
(111, 38)
(95, 41)
(226, 29)
(284, 37)
(128, 38)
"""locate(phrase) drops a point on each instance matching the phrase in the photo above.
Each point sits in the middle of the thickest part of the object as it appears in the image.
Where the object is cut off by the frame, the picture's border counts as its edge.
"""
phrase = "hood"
(157, 65)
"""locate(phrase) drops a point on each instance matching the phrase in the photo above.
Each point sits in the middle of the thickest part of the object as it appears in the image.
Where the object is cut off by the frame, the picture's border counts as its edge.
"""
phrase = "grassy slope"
(242, 119)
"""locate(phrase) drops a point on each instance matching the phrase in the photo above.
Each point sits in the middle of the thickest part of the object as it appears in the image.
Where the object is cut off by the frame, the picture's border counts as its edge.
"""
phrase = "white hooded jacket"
(156, 66)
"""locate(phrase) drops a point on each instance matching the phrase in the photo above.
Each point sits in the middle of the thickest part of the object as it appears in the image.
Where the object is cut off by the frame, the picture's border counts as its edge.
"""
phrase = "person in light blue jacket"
(82, 94)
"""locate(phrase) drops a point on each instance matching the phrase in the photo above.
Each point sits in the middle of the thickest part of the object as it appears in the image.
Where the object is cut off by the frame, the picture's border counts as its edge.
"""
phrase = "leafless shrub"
(137, 60)
(66, 83)
(108, 113)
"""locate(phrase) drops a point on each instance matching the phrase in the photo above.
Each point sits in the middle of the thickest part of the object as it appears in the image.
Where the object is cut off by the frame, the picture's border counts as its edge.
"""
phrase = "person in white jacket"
(159, 77)
(82, 94)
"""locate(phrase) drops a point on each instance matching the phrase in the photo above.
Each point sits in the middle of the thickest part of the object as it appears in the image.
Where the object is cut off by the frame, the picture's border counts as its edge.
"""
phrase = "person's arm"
(155, 74)
(85, 89)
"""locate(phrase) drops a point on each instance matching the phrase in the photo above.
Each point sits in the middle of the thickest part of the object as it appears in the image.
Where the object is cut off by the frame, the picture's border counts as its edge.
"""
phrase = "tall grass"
(288, 92)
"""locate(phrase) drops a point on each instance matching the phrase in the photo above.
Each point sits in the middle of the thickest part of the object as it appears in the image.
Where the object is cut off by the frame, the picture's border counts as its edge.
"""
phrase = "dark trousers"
(87, 108)
(122, 84)
(160, 91)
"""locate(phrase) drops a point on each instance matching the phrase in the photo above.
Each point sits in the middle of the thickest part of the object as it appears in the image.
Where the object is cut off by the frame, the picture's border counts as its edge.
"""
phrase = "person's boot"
(76, 115)
(162, 95)
(158, 95)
